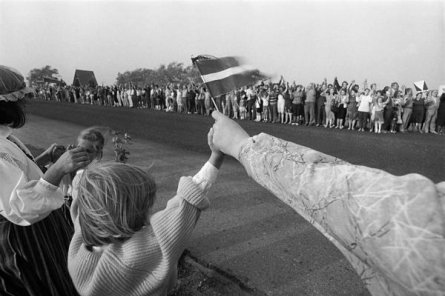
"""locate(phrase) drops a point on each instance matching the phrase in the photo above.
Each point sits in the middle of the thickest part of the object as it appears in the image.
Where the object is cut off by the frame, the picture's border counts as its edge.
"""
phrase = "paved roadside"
(247, 242)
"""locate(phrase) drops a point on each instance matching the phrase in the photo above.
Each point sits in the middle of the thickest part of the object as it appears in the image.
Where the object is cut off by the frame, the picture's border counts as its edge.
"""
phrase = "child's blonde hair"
(114, 202)
(95, 136)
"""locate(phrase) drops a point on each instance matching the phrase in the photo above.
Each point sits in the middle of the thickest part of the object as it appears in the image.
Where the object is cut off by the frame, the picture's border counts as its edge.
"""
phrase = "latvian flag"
(222, 75)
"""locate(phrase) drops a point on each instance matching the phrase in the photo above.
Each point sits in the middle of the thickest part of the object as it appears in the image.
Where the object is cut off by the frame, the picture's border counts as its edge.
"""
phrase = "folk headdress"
(12, 85)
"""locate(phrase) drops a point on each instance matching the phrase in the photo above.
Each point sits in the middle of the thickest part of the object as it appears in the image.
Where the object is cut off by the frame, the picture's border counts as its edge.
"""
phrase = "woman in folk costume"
(34, 234)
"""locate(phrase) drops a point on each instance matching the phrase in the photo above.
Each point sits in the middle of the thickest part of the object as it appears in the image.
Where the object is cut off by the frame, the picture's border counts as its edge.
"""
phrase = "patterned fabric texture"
(390, 228)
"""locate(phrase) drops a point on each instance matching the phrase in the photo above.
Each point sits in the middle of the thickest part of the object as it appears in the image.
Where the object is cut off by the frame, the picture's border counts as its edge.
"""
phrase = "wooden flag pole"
(214, 103)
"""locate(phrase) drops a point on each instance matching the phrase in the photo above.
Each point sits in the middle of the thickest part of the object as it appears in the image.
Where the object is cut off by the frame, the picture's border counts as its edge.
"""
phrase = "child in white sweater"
(119, 247)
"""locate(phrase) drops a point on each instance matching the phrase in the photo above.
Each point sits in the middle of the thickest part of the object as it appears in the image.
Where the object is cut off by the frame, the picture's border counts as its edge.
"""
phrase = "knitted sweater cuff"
(192, 193)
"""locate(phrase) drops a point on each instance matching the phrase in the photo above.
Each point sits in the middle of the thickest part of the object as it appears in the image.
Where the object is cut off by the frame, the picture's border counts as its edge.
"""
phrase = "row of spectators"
(390, 109)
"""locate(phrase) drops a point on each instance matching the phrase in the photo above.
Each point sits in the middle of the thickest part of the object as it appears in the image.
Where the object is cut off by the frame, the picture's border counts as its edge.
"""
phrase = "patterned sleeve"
(390, 228)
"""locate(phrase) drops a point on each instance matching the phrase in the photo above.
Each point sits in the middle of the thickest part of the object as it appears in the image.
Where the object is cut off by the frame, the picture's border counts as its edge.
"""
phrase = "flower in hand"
(120, 152)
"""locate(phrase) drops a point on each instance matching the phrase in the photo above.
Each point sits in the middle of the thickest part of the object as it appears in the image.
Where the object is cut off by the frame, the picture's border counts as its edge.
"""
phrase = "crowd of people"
(388, 110)
(106, 240)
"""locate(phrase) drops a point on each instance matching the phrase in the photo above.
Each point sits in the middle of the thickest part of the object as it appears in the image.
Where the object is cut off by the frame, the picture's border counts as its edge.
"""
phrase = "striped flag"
(223, 75)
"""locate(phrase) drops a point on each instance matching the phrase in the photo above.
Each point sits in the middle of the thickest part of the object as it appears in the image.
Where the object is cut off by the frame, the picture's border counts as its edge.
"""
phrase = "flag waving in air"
(222, 75)
(420, 85)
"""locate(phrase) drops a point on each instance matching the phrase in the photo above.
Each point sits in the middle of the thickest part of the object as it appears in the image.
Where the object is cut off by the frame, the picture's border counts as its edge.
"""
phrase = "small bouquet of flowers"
(118, 140)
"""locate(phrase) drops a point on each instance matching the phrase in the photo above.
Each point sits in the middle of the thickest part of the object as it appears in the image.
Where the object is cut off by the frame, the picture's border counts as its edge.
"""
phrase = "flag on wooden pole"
(223, 75)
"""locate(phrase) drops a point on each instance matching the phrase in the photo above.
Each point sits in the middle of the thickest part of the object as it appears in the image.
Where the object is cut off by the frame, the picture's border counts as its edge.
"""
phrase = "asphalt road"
(247, 233)
(398, 154)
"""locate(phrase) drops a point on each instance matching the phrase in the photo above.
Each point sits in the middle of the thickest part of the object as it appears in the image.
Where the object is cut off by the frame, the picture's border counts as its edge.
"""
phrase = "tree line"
(174, 72)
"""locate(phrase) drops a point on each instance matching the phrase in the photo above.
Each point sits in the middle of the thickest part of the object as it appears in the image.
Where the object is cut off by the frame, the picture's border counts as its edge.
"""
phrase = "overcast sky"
(305, 41)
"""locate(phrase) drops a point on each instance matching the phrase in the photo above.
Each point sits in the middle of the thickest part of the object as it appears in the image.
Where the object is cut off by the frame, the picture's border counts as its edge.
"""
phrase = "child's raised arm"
(217, 157)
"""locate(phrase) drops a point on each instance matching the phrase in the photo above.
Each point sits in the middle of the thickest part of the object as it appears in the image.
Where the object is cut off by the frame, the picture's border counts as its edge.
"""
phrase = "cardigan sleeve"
(390, 228)
(24, 201)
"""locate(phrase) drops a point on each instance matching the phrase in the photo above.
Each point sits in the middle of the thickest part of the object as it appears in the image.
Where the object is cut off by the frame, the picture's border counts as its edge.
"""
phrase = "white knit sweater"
(146, 264)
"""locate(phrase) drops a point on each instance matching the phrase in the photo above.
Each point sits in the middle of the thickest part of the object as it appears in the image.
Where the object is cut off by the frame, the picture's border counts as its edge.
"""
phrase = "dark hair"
(13, 114)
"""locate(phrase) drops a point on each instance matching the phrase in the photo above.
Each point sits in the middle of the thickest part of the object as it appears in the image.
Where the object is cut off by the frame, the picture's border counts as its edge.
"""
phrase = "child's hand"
(212, 146)
(72, 160)
(46, 157)
(56, 152)
(217, 157)
(48, 152)
(229, 136)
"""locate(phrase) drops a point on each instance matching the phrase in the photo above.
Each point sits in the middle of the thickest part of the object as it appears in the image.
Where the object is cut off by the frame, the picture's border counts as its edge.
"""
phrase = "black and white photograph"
(222, 147)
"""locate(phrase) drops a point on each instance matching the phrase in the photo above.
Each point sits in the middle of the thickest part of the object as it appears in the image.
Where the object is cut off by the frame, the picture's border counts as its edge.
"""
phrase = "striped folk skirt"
(33, 259)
